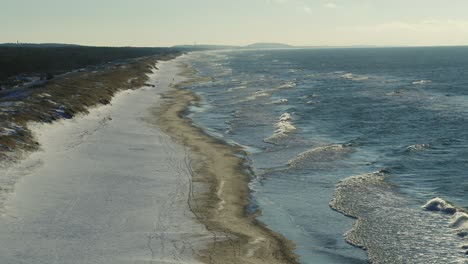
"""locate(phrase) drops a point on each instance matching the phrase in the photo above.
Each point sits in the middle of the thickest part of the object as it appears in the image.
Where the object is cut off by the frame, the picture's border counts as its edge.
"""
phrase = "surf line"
(220, 186)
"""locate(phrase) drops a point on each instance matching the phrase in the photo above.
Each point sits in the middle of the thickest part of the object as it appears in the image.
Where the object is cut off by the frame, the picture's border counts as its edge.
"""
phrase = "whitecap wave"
(417, 147)
(284, 86)
(353, 77)
(285, 117)
(318, 154)
(257, 94)
(306, 97)
(283, 128)
(420, 82)
(439, 205)
(280, 101)
(287, 85)
(459, 219)
(392, 230)
(237, 88)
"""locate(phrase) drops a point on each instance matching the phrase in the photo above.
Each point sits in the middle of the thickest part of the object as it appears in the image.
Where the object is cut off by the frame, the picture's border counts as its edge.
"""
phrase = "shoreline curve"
(219, 191)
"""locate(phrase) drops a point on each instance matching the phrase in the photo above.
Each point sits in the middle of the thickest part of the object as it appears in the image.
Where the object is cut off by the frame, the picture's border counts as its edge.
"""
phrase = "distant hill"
(268, 46)
(205, 47)
(225, 47)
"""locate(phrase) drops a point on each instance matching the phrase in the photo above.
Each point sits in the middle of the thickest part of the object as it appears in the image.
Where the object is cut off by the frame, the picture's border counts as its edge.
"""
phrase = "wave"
(417, 147)
(310, 96)
(257, 94)
(439, 205)
(392, 230)
(263, 93)
(398, 92)
(320, 154)
(340, 200)
(283, 128)
(237, 88)
(279, 101)
(287, 85)
(459, 219)
(353, 77)
(305, 97)
(421, 82)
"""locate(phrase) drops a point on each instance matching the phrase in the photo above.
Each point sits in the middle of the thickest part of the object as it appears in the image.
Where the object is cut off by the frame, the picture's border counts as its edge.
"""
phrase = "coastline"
(219, 192)
(107, 186)
(78, 176)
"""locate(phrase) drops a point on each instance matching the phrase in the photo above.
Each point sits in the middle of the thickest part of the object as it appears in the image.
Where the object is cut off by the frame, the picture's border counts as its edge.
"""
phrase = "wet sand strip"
(219, 192)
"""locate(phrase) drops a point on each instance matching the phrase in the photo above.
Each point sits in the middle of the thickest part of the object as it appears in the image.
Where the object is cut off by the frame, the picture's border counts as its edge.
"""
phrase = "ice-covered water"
(318, 125)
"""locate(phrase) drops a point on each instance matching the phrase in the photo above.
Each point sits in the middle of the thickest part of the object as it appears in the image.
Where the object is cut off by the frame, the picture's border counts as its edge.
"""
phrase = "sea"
(356, 155)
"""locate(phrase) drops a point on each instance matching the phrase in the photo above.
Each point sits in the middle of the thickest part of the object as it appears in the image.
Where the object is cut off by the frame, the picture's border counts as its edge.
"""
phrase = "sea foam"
(353, 77)
(284, 86)
(280, 101)
(421, 82)
(284, 127)
(391, 230)
(318, 154)
(287, 85)
(237, 88)
(257, 94)
(417, 147)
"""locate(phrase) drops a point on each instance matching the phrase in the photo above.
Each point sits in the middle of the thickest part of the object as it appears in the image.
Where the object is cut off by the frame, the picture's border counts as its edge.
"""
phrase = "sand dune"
(108, 187)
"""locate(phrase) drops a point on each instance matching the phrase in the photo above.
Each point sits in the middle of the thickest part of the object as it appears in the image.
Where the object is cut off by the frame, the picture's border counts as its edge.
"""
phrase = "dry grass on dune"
(63, 97)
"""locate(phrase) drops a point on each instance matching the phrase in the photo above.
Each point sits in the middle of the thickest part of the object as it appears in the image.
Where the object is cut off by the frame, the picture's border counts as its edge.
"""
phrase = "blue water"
(310, 118)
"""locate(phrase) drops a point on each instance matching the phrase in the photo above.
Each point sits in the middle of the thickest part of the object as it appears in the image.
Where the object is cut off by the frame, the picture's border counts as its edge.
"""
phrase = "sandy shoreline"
(115, 186)
(221, 189)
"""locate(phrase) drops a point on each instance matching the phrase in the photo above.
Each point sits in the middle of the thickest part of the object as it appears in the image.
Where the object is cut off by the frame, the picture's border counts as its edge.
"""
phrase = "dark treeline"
(16, 60)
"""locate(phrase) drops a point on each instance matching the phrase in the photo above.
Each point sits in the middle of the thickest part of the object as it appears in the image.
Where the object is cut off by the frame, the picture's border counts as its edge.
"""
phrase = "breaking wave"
(350, 76)
(417, 147)
(257, 94)
(237, 88)
(320, 154)
(421, 82)
(284, 127)
(439, 205)
(280, 101)
(287, 85)
(392, 230)
(459, 219)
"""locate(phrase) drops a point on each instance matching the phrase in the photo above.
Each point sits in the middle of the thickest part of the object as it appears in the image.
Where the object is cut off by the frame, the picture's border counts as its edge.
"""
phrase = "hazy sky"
(238, 22)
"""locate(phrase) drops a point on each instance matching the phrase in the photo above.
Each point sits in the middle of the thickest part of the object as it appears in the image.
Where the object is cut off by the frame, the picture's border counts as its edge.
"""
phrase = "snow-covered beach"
(106, 187)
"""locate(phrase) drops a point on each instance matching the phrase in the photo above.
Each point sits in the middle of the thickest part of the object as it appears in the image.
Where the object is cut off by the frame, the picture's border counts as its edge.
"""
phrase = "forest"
(49, 60)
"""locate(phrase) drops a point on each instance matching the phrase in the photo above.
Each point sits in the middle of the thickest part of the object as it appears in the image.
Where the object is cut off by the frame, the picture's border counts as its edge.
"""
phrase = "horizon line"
(235, 46)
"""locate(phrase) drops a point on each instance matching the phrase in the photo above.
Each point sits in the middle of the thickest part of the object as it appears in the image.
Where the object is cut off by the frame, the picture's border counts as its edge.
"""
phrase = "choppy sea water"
(373, 134)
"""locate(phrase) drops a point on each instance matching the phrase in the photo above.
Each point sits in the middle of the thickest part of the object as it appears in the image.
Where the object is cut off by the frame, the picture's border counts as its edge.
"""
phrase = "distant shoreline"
(220, 189)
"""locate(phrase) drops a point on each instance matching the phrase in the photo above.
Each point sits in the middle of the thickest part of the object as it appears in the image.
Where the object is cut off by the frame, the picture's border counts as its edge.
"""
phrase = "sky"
(235, 22)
